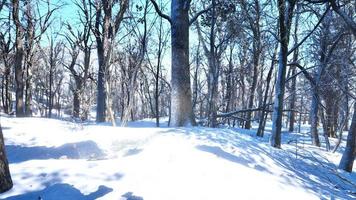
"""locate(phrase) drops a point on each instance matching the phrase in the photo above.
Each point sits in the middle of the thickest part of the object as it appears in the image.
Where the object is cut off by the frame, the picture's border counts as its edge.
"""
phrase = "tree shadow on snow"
(79, 150)
(231, 157)
(315, 174)
(130, 196)
(62, 191)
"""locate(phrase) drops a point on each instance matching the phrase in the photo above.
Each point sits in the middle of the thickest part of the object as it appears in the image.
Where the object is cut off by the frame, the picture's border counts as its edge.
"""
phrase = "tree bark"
(349, 154)
(30, 33)
(261, 125)
(314, 120)
(181, 96)
(5, 177)
(285, 17)
(104, 39)
(19, 54)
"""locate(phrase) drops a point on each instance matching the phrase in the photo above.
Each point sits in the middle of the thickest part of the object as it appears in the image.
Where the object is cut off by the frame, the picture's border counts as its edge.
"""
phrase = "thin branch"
(124, 4)
(195, 17)
(311, 32)
(159, 12)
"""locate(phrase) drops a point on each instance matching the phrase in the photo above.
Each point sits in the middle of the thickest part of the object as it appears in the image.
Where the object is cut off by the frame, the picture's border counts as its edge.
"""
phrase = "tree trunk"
(28, 92)
(349, 154)
(261, 125)
(181, 96)
(30, 32)
(293, 98)
(285, 17)
(101, 89)
(256, 62)
(76, 103)
(20, 111)
(5, 177)
(314, 120)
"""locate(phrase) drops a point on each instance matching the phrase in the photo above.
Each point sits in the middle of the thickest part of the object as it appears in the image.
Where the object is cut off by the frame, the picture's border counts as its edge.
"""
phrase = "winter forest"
(177, 99)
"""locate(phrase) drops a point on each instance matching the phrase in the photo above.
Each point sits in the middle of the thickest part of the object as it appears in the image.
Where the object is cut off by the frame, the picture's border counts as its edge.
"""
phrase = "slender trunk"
(158, 69)
(285, 18)
(325, 133)
(50, 93)
(314, 120)
(261, 125)
(7, 107)
(293, 98)
(256, 60)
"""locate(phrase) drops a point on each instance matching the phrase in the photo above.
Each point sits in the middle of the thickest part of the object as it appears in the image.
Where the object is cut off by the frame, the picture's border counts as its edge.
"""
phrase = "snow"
(56, 159)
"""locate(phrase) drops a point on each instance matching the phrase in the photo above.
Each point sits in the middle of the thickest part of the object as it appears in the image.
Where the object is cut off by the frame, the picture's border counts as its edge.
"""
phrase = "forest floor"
(56, 159)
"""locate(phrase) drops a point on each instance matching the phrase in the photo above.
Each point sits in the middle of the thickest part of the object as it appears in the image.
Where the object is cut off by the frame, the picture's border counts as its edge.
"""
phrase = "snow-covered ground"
(53, 159)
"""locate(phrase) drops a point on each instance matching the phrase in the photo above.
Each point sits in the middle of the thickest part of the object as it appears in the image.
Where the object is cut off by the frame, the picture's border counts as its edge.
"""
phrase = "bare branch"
(309, 34)
(159, 12)
(124, 4)
(195, 17)
(348, 20)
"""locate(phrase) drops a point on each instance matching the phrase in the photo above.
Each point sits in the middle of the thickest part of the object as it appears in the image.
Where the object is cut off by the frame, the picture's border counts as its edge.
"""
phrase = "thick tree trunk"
(101, 89)
(349, 154)
(5, 177)
(76, 103)
(20, 111)
(30, 32)
(275, 139)
(181, 96)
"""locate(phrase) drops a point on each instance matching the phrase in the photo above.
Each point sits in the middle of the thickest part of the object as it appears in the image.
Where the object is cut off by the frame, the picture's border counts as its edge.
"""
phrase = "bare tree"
(105, 30)
(6, 48)
(5, 177)
(181, 95)
(80, 41)
(286, 10)
(19, 73)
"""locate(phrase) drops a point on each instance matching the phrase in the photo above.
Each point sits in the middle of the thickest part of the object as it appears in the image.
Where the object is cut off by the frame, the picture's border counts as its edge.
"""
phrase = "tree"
(5, 177)
(348, 157)
(35, 27)
(181, 95)
(253, 18)
(105, 31)
(349, 154)
(79, 41)
(19, 73)
(6, 47)
(285, 9)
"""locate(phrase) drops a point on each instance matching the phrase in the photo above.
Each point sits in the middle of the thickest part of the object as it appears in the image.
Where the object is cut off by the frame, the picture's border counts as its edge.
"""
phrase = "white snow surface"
(55, 159)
